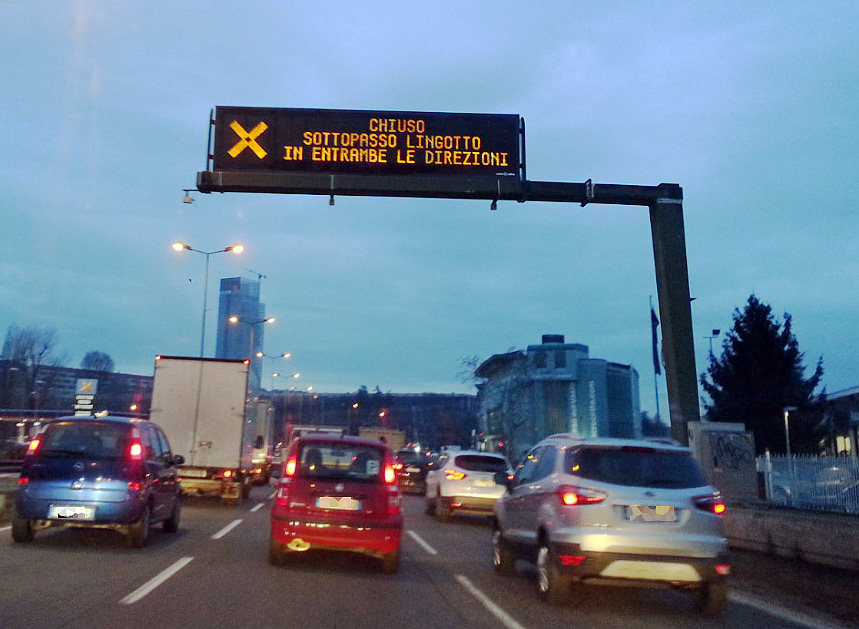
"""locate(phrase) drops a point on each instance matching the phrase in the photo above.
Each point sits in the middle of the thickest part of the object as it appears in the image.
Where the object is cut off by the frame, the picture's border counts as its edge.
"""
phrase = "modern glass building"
(240, 297)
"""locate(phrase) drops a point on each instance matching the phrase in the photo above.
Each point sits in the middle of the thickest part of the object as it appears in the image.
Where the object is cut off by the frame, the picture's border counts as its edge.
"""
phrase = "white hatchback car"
(466, 481)
(613, 512)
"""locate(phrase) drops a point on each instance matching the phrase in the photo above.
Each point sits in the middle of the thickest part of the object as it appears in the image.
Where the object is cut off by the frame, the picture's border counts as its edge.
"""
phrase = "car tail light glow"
(34, 446)
(390, 475)
(571, 560)
(723, 569)
(135, 447)
(134, 486)
(228, 473)
(291, 465)
(454, 475)
(23, 480)
(575, 496)
(712, 503)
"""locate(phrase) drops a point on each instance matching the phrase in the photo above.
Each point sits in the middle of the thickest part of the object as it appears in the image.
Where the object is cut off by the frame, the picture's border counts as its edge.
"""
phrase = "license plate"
(71, 512)
(344, 503)
(644, 513)
(482, 482)
(413, 469)
(190, 473)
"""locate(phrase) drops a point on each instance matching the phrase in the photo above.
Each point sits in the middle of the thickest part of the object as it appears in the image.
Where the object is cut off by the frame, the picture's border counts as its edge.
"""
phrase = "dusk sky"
(752, 108)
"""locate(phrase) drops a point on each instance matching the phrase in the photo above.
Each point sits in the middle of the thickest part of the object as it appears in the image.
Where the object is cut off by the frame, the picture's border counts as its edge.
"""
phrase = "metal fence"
(825, 483)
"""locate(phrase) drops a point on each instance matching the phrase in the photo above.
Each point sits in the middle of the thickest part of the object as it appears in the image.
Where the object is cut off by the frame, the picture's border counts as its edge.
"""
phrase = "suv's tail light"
(711, 503)
(570, 495)
(454, 475)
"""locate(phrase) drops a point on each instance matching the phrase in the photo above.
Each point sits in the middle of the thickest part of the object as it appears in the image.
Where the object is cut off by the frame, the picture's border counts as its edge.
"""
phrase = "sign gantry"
(444, 155)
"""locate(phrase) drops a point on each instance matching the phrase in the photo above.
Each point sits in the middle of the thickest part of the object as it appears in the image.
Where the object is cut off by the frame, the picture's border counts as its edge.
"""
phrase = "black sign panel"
(366, 142)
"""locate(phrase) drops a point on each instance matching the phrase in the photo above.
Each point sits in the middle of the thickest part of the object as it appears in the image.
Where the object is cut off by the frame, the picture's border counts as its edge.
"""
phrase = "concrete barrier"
(818, 537)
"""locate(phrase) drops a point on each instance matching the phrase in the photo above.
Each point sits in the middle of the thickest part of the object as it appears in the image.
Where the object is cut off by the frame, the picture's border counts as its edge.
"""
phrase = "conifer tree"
(758, 375)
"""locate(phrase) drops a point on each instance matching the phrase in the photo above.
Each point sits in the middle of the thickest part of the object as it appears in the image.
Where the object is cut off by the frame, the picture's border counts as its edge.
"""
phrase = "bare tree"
(26, 351)
(98, 361)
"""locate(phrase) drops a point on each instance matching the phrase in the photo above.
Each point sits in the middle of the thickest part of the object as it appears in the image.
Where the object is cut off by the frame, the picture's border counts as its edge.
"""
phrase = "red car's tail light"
(390, 475)
(571, 496)
(393, 501)
(134, 486)
(712, 503)
(281, 498)
(291, 466)
(23, 480)
(454, 475)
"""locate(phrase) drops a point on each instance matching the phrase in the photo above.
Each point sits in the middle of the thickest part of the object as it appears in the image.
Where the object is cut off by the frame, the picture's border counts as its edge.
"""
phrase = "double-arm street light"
(252, 325)
(181, 246)
(283, 356)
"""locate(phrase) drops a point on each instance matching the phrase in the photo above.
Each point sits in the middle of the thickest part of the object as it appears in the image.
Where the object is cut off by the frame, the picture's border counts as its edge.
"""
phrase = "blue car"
(98, 472)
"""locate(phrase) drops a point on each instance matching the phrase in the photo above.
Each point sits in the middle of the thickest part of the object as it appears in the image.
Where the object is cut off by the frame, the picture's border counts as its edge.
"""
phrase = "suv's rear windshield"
(480, 463)
(636, 467)
(340, 461)
(91, 440)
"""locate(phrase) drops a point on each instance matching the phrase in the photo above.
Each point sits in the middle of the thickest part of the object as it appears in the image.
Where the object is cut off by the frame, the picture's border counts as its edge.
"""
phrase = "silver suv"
(613, 511)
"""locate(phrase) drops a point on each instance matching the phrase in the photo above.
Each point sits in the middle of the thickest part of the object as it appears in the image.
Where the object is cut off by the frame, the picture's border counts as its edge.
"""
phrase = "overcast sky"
(752, 108)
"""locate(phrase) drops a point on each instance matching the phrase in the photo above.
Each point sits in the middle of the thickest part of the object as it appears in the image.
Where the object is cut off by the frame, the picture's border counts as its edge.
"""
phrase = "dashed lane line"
(229, 527)
(153, 583)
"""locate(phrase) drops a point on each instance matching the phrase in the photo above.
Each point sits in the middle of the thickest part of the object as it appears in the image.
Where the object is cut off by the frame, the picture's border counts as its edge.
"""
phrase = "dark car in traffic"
(98, 472)
(412, 468)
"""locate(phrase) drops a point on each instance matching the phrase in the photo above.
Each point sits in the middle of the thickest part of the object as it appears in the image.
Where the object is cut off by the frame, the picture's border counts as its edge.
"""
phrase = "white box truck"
(262, 455)
(202, 406)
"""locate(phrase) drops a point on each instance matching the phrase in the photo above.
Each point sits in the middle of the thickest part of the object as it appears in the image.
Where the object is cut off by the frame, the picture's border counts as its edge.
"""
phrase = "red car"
(337, 493)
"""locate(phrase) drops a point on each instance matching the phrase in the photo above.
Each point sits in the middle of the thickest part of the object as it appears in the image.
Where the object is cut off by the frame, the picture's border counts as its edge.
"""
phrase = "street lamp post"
(714, 335)
(180, 246)
(787, 411)
(252, 324)
(263, 356)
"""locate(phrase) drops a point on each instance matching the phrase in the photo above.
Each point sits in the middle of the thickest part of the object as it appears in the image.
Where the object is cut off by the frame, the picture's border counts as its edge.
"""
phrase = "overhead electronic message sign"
(366, 142)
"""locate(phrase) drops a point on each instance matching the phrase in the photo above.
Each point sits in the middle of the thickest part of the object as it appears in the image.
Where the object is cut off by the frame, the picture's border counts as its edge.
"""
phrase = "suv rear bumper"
(468, 504)
(665, 570)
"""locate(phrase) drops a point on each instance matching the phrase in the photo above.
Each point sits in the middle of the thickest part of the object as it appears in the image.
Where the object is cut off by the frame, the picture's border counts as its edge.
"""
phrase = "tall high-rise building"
(240, 297)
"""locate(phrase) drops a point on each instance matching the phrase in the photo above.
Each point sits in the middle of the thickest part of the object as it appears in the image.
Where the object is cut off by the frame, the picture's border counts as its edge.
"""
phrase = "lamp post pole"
(252, 324)
(180, 246)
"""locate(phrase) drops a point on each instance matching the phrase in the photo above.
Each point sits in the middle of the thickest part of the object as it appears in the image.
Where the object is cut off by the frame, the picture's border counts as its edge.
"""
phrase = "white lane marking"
(258, 506)
(5, 528)
(423, 544)
(782, 613)
(150, 585)
(272, 495)
(506, 619)
(229, 527)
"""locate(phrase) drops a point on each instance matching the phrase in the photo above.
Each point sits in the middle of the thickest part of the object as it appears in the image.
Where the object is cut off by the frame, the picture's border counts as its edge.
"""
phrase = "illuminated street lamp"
(294, 376)
(252, 323)
(181, 246)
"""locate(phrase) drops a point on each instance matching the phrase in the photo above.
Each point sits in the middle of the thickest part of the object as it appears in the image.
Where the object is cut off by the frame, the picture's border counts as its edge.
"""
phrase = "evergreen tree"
(759, 374)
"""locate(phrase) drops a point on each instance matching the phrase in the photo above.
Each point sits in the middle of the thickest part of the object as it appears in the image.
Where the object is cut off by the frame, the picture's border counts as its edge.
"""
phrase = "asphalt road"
(214, 573)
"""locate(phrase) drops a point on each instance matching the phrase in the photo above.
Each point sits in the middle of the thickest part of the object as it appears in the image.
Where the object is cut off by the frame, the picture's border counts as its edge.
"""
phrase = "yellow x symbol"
(247, 139)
